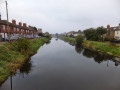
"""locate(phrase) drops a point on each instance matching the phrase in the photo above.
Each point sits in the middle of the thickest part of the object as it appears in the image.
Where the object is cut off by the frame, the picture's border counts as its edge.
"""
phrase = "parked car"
(13, 38)
(115, 41)
(28, 37)
(36, 36)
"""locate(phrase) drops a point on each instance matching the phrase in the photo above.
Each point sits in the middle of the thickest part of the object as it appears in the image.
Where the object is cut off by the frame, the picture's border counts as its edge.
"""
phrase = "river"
(61, 66)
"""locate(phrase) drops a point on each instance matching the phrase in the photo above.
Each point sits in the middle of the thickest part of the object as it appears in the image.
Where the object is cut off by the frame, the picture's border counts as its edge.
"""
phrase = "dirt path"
(1, 43)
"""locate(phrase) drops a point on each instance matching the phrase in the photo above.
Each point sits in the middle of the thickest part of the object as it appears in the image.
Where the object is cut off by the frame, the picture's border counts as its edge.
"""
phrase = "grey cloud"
(64, 15)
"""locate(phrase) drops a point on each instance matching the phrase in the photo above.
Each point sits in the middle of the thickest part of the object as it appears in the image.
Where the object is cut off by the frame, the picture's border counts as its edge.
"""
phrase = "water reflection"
(26, 68)
(56, 39)
(79, 49)
(97, 56)
(11, 81)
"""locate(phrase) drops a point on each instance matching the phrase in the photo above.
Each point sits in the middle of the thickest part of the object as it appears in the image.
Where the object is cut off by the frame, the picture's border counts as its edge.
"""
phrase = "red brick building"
(110, 31)
(15, 29)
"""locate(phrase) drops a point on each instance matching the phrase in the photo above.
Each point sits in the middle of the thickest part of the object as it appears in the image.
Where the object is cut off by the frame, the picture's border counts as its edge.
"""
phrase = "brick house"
(110, 31)
(18, 30)
(113, 31)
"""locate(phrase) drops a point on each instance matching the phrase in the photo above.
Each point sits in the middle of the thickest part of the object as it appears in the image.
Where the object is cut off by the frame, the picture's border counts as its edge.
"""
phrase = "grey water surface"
(61, 66)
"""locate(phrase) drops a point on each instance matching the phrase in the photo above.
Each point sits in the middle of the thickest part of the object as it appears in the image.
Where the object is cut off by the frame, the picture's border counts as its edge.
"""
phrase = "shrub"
(23, 45)
(71, 36)
(79, 40)
(95, 38)
(108, 38)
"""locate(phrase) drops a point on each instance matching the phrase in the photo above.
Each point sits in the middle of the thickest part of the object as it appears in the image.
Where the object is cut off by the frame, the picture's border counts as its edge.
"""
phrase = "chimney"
(108, 26)
(13, 22)
(20, 24)
(29, 26)
(119, 25)
(24, 24)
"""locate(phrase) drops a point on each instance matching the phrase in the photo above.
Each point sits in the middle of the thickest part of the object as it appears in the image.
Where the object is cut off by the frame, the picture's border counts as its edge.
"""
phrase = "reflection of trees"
(98, 57)
(26, 68)
(88, 53)
(117, 63)
(79, 49)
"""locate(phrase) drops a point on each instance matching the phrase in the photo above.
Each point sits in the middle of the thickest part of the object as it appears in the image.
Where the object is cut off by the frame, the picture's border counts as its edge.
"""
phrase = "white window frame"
(17, 29)
(4, 27)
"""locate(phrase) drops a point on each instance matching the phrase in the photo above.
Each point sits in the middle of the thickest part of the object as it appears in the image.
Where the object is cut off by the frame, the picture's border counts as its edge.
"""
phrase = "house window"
(14, 29)
(3, 27)
(17, 29)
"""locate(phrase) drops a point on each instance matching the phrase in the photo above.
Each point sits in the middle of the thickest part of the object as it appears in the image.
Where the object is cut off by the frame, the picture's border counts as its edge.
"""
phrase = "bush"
(95, 38)
(23, 45)
(71, 36)
(79, 40)
(108, 38)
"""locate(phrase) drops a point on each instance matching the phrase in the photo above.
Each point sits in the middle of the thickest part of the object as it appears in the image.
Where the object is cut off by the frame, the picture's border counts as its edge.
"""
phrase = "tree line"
(95, 34)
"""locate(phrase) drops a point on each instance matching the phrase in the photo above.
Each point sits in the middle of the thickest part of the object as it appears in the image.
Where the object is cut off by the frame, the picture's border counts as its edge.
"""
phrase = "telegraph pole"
(7, 21)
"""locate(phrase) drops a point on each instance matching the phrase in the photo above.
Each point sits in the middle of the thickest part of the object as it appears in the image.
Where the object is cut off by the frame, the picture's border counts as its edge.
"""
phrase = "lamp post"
(7, 21)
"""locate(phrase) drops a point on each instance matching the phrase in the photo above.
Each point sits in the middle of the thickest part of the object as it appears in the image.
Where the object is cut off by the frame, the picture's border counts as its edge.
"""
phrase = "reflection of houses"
(113, 31)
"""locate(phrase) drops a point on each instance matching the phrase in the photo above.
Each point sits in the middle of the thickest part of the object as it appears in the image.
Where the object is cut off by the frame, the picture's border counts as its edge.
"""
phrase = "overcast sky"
(58, 16)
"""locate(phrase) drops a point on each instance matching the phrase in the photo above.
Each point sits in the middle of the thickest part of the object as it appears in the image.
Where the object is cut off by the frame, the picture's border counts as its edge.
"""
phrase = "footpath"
(1, 43)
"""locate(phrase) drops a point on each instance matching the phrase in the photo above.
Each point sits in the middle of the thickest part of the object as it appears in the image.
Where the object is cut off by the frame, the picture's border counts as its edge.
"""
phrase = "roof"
(4, 22)
(114, 28)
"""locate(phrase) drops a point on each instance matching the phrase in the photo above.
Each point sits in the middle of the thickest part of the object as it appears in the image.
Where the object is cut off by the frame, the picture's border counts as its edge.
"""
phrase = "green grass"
(70, 40)
(109, 48)
(11, 59)
(112, 49)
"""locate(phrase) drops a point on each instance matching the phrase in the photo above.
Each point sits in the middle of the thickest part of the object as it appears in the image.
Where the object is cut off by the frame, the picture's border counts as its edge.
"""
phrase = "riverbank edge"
(20, 59)
(107, 48)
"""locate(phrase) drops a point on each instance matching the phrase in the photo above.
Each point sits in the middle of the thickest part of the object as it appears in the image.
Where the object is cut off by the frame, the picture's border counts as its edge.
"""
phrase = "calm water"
(60, 66)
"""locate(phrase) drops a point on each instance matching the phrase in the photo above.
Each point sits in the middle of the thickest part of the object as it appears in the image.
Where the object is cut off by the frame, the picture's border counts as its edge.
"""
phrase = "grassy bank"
(70, 40)
(11, 59)
(109, 48)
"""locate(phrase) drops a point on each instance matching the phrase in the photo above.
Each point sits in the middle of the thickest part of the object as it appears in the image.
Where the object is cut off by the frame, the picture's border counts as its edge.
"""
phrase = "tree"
(79, 31)
(35, 28)
(40, 34)
(79, 40)
(47, 35)
(90, 34)
(100, 31)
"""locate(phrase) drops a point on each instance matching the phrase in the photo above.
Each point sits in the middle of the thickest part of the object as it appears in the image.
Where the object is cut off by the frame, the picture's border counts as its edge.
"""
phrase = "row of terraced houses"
(18, 30)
